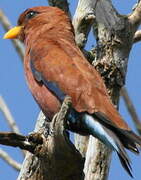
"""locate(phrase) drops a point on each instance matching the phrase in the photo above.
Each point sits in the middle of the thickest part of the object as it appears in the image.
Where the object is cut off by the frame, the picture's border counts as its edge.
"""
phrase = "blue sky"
(17, 96)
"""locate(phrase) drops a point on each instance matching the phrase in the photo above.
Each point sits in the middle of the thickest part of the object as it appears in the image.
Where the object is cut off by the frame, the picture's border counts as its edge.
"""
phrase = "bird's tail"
(122, 139)
(109, 138)
(102, 128)
(128, 138)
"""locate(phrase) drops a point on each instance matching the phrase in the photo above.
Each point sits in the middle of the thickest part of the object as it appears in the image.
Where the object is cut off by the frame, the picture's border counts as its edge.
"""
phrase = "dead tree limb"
(83, 20)
(137, 36)
(135, 16)
(131, 109)
(9, 160)
(28, 143)
(57, 158)
(10, 120)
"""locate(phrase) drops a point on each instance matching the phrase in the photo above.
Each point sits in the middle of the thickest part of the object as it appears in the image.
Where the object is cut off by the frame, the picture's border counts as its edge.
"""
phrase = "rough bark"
(97, 160)
(57, 157)
(82, 21)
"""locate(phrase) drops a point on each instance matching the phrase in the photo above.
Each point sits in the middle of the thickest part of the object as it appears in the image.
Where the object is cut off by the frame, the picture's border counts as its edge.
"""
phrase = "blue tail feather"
(86, 124)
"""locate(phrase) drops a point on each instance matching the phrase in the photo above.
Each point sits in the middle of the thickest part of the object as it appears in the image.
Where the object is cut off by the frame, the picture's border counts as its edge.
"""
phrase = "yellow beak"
(13, 33)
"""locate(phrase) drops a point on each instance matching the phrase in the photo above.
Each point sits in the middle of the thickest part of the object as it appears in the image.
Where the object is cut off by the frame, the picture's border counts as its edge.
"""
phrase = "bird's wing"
(62, 67)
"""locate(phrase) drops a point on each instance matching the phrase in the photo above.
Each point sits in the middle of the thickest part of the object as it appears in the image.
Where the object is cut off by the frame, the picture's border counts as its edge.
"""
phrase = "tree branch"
(16, 43)
(97, 160)
(137, 36)
(83, 20)
(28, 143)
(131, 109)
(50, 161)
(10, 120)
(9, 160)
(135, 16)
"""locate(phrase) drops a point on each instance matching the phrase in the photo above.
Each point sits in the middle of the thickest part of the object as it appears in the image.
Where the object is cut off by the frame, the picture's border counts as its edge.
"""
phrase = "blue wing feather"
(52, 86)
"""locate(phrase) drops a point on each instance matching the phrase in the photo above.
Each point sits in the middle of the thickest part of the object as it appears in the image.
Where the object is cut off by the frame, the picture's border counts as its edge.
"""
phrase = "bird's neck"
(49, 35)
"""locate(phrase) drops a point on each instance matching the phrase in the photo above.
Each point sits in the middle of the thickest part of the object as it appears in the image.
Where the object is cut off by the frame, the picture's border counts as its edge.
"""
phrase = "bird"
(55, 68)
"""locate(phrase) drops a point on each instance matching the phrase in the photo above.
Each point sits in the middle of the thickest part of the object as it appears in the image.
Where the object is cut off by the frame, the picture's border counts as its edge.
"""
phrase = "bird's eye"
(31, 14)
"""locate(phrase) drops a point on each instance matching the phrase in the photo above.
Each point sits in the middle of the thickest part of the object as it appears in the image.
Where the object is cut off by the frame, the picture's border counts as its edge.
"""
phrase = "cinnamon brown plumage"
(55, 67)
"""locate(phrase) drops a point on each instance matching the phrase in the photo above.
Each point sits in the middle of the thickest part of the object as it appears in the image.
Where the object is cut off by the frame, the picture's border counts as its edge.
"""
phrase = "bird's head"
(37, 19)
